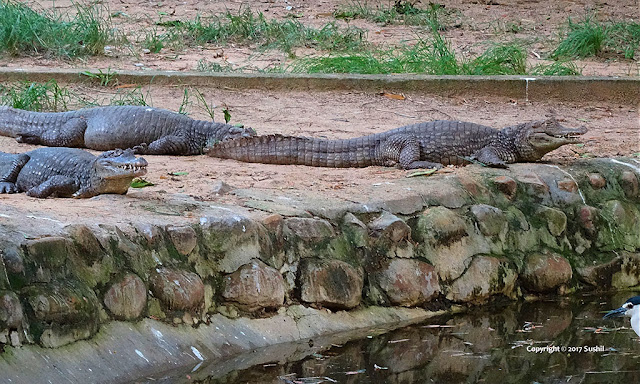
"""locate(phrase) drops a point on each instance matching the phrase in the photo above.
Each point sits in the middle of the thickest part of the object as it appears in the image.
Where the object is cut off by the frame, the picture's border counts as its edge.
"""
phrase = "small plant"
(152, 41)
(132, 97)
(624, 38)
(184, 105)
(47, 96)
(207, 66)
(204, 105)
(105, 79)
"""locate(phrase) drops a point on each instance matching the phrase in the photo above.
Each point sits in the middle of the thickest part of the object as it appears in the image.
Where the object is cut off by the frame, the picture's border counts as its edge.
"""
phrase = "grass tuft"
(134, 96)
(25, 31)
(47, 96)
(584, 39)
(434, 57)
(557, 68)
(508, 59)
(589, 37)
(254, 28)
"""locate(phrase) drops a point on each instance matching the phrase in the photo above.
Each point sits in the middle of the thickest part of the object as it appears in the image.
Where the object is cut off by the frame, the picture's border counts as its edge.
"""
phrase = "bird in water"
(630, 308)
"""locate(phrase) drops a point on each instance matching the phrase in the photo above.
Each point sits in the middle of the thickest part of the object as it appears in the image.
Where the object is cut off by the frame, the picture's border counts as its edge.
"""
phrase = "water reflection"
(563, 341)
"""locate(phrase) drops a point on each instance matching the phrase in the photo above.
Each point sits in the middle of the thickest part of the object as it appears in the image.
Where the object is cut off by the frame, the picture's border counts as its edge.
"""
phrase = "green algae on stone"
(49, 252)
(555, 219)
(621, 226)
(61, 313)
(439, 226)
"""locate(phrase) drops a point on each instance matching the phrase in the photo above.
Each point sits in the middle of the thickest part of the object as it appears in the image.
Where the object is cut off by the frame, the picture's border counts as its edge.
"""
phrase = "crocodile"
(150, 131)
(424, 145)
(69, 172)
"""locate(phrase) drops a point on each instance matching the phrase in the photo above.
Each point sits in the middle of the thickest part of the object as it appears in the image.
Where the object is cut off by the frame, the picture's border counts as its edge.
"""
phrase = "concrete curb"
(621, 90)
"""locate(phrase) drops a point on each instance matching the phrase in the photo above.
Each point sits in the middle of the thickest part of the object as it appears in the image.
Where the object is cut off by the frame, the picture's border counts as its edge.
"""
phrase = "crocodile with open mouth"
(423, 145)
(69, 172)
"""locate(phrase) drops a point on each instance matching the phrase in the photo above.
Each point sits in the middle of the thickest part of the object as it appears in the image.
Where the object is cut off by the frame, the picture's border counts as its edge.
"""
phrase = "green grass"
(134, 96)
(247, 27)
(435, 57)
(557, 68)
(25, 31)
(402, 12)
(590, 37)
(105, 79)
(47, 96)
(52, 97)
(507, 59)
(624, 38)
(153, 41)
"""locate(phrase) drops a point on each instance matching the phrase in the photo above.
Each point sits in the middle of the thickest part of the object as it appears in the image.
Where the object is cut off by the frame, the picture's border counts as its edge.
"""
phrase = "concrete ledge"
(125, 352)
(623, 90)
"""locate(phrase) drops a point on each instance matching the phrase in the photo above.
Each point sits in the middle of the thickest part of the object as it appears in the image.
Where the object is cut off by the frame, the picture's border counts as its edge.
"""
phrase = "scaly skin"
(423, 145)
(147, 130)
(69, 172)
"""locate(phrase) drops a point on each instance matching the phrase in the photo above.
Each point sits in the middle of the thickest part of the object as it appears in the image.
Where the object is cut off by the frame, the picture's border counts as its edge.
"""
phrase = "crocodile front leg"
(168, 145)
(71, 134)
(8, 180)
(8, 187)
(61, 186)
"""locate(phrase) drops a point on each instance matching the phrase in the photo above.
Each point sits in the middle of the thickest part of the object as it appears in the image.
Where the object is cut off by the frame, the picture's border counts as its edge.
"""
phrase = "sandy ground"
(471, 26)
(613, 131)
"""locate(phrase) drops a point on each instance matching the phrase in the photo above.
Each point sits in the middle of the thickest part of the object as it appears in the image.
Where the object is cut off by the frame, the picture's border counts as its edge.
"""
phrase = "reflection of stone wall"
(490, 234)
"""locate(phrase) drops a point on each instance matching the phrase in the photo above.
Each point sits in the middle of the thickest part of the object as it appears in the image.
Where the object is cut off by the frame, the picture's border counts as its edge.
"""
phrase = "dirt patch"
(613, 131)
(470, 26)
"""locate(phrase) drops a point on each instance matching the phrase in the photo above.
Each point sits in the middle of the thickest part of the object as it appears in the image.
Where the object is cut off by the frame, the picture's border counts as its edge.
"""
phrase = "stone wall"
(466, 239)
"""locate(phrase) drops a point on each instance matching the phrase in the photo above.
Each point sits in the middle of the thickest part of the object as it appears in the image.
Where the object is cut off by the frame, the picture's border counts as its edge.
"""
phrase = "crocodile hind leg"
(8, 179)
(58, 185)
(168, 145)
(70, 134)
(404, 150)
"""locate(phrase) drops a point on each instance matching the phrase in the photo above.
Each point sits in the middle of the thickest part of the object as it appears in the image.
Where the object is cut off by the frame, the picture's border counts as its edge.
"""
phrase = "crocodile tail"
(7, 122)
(281, 149)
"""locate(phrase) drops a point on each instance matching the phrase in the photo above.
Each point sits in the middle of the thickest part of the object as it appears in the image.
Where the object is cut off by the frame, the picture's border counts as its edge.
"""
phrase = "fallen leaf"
(140, 183)
(422, 173)
(126, 86)
(393, 96)
(181, 173)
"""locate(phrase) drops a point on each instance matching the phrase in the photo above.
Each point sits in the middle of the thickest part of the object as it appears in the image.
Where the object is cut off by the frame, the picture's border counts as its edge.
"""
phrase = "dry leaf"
(393, 96)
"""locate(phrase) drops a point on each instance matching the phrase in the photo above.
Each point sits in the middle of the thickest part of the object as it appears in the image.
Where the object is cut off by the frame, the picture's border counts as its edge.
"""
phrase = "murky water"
(487, 345)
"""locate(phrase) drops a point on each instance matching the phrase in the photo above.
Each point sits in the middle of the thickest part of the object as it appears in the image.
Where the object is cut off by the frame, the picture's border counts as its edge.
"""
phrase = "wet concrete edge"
(151, 350)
